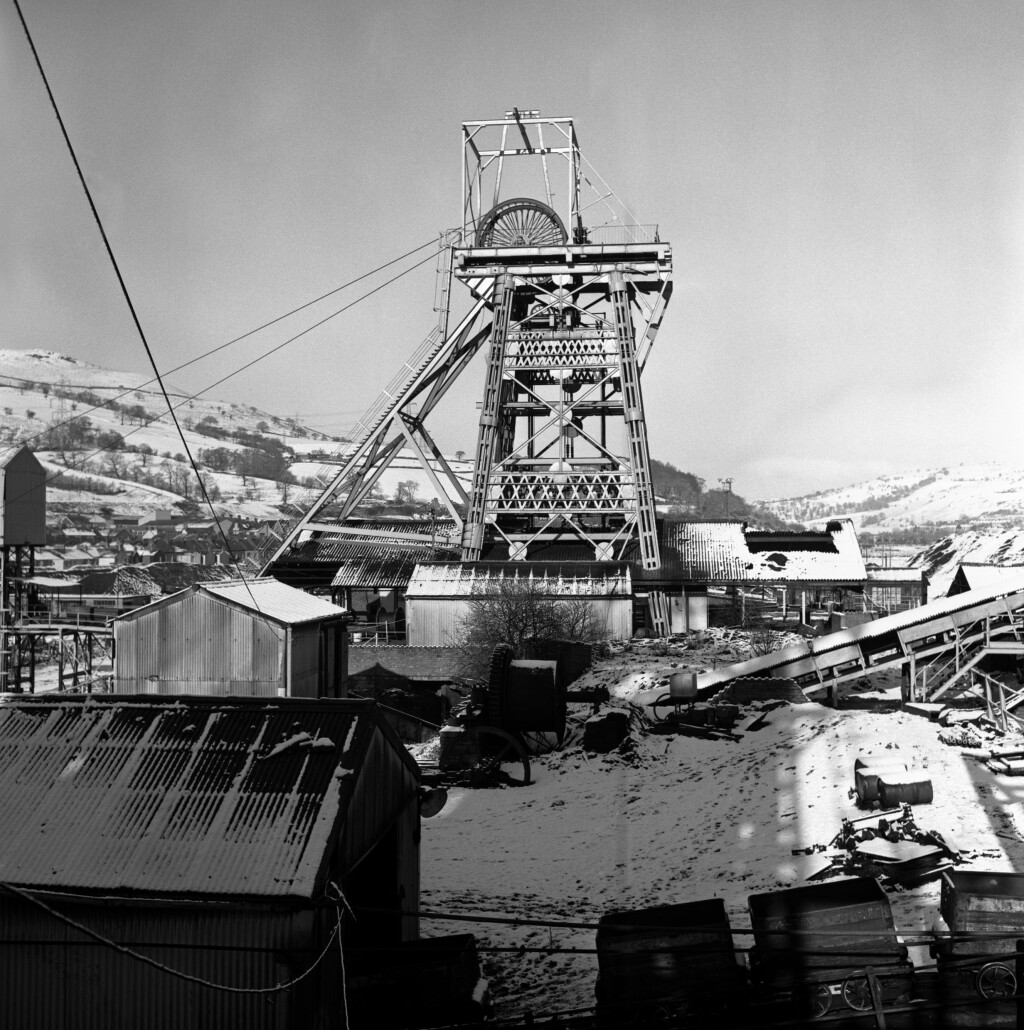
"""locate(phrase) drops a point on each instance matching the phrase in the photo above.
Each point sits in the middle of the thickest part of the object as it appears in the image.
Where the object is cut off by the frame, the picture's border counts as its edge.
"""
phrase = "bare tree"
(406, 492)
(763, 637)
(519, 613)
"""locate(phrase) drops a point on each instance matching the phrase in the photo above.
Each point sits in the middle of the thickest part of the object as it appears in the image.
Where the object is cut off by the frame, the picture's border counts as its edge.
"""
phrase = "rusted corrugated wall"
(59, 979)
(197, 645)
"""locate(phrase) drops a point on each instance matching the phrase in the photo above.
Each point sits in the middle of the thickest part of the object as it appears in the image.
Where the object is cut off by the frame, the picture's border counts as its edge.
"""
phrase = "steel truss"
(562, 443)
(568, 318)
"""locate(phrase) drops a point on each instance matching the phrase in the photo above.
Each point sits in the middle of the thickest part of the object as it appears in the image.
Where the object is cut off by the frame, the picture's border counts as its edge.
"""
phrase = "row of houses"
(102, 543)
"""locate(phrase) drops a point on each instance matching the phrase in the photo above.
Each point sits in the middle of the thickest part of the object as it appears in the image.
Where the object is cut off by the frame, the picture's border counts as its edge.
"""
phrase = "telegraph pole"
(728, 493)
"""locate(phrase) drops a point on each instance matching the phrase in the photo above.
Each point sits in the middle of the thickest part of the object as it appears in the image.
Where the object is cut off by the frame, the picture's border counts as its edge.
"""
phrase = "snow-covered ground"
(674, 819)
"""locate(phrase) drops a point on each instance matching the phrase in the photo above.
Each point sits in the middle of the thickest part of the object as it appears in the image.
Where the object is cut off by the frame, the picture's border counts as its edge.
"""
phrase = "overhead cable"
(127, 297)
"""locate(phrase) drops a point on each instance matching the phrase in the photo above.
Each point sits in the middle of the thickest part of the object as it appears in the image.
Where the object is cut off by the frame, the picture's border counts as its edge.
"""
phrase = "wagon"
(671, 965)
(985, 916)
(814, 946)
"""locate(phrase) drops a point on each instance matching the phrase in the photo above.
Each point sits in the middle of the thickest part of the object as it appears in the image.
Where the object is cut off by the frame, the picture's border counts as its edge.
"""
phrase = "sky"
(842, 184)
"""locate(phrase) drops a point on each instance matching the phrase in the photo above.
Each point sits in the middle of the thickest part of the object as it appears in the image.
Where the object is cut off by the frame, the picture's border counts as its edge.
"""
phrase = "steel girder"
(394, 422)
(563, 376)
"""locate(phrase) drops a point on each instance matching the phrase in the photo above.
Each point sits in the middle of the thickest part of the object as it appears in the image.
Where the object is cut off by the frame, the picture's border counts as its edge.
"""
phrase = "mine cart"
(828, 948)
(488, 740)
(985, 916)
(670, 966)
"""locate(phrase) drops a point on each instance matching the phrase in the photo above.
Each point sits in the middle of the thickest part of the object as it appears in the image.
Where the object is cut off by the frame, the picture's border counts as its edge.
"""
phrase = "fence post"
(876, 998)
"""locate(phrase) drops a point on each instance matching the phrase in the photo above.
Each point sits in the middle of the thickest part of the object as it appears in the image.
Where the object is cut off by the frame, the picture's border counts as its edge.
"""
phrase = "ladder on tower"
(632, 400)
(473, 534)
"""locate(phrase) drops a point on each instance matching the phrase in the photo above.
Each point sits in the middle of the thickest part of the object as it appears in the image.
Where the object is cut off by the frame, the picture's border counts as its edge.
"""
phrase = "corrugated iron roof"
(390, 571)
(268, 598)
(226, 796)
(450, 579)
(275, 600)
(727, 552)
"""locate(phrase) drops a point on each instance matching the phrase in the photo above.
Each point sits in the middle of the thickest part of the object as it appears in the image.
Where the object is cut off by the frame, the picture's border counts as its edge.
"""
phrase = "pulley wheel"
(521, 222)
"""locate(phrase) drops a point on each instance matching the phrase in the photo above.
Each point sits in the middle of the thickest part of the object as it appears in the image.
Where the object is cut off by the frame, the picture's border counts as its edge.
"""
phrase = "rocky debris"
(963, 737)
(606, 730)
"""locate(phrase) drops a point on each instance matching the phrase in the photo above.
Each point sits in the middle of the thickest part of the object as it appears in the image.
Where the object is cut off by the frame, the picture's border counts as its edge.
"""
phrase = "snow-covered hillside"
(986, 494)
(941, 560)
(110, 430)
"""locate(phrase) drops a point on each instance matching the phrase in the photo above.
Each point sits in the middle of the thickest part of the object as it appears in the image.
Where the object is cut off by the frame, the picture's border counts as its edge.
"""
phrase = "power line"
(136, 389)
(191, 397)
(127, 296)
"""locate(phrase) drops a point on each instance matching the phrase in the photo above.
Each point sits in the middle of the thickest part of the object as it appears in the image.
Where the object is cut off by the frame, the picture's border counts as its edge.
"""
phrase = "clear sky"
(842, 183)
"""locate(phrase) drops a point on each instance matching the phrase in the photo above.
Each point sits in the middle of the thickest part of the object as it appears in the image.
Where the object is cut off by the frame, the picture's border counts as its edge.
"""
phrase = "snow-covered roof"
(8, 454)
(981, 575)
(197, 795)
(453, 579)
(729, 552)
(274, 599)
(268, 598)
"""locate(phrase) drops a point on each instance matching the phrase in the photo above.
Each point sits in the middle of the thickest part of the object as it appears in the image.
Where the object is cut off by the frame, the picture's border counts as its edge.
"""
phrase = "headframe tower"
(566, 312)
(562, 447)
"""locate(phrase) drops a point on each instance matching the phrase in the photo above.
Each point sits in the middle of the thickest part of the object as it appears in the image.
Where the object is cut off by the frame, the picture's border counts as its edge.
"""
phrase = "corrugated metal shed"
(479, 579)
(278, 602)
(196, 796)
(261, 638)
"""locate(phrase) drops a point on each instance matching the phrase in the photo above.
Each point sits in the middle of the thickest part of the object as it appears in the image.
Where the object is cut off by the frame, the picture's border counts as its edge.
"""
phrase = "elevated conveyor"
(940, 645)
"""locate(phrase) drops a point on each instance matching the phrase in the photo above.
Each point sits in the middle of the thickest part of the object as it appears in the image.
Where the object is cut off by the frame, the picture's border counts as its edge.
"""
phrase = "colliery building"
(199, 850)
(707, 569)
(439, 596)
(257, 637)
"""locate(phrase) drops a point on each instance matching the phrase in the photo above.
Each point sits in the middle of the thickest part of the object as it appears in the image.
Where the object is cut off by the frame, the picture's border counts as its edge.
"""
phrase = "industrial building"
(440, 596)
(796, 569)
(197, 849)
(257, 637)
